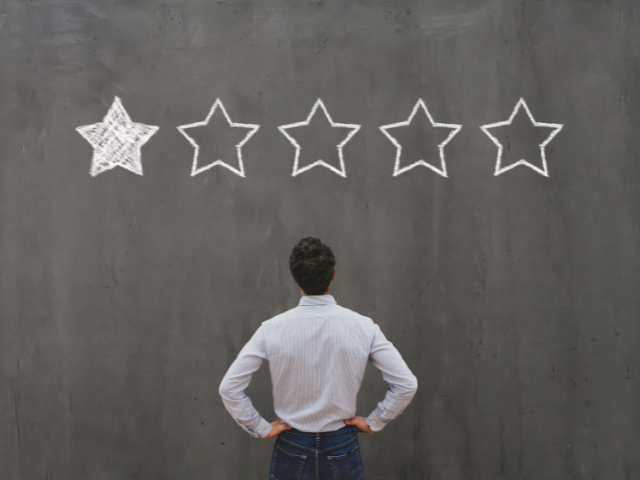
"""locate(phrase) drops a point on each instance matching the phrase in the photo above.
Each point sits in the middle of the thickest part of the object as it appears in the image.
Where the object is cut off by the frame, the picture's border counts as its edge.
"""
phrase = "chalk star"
(555, 126)
(116, 141)
(296, 168)
(443, 166)
(195, 169)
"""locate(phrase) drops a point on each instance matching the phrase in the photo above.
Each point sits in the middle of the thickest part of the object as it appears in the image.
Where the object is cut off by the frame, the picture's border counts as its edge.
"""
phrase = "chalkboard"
(478, 186)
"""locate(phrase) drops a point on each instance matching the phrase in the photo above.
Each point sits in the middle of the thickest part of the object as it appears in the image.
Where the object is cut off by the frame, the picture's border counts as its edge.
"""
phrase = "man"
(317, 355)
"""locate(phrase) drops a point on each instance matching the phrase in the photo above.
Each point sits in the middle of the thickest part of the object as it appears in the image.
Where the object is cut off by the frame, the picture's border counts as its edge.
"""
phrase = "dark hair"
(311, 263)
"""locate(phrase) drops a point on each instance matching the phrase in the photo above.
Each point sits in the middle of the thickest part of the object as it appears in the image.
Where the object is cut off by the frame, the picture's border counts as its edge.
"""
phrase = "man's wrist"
(264, 428)
(374, 424)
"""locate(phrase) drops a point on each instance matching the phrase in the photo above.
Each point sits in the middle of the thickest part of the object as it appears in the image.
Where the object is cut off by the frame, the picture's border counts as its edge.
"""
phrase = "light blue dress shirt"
(317, 355)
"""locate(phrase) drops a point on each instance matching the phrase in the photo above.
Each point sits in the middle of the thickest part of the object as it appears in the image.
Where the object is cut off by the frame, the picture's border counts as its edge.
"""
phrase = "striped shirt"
(317, 355)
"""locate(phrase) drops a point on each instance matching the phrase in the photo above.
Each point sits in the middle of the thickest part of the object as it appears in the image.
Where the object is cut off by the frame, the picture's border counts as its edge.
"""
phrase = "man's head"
(312, 266)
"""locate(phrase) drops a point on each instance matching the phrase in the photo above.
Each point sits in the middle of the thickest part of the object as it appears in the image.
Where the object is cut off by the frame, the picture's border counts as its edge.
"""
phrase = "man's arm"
(237, 380)
(402, 383)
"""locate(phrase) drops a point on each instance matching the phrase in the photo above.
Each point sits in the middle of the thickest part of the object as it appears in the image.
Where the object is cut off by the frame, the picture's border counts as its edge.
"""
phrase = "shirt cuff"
(377, 420)
(264, 428)
(375, 425)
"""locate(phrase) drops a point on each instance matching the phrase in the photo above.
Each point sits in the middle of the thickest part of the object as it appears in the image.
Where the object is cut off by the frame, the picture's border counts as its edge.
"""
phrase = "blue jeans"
(317, 456)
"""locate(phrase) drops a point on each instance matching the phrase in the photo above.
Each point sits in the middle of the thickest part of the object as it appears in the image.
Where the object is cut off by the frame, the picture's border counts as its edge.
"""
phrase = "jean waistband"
(295, 431)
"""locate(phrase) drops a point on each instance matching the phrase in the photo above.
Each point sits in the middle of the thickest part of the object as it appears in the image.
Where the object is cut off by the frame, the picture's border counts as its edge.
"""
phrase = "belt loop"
(317, 456)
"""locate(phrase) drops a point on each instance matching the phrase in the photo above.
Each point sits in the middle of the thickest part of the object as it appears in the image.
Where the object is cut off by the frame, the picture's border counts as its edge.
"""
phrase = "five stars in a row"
(117, 141)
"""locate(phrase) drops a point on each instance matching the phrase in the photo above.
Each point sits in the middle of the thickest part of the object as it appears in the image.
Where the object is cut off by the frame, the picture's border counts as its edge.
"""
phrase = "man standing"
(317, 355)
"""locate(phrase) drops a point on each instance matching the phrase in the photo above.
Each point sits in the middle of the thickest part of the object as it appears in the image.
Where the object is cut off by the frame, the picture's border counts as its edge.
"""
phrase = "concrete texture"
(514, 299)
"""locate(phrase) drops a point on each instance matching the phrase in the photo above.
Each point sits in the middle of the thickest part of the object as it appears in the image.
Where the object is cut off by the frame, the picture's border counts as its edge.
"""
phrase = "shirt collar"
(313, 300)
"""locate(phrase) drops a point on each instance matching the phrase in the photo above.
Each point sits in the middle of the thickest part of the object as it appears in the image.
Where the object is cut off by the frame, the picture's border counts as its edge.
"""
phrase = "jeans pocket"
(286, 465)
(347, 466)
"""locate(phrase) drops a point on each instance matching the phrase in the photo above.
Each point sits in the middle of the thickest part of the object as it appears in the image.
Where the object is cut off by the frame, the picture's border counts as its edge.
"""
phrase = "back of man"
(317, 355)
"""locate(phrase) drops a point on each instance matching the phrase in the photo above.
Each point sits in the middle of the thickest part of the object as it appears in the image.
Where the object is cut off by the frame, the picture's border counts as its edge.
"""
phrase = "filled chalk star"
(440, 167)
(116, 141)
(199, 166)
(340, 168)
(550, 131)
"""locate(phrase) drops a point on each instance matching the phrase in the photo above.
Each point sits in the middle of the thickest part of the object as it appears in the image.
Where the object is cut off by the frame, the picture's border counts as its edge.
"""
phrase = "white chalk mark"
(121, 88)
(354, 129)
(499, 168)
(116, 141)
(443, 166)
(238, 171)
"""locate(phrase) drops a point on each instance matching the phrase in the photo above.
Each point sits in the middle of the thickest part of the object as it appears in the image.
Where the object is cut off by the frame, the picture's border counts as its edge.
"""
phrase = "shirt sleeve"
(402, 383)
(237, 379)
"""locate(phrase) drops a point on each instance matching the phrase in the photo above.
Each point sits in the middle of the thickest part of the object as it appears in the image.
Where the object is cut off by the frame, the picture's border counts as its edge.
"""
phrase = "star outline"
(354, 129)
(455, 128)
(194, 168)
(522, 104)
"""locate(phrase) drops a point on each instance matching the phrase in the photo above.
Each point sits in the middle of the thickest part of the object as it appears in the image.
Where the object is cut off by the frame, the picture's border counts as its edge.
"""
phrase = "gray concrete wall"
(513, 298)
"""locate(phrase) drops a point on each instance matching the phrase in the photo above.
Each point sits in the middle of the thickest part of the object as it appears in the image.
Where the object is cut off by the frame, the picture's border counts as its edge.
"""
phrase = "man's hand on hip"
(277, 427)
(360, 423)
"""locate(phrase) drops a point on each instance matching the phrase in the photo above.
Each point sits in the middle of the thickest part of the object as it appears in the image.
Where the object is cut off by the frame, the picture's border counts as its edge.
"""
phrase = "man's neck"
(305, 295)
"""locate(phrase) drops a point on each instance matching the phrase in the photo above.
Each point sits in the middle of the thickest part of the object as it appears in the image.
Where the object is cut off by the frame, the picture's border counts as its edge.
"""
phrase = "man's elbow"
(225, 390)
(412, 386)
(406, 389)
(409, 387)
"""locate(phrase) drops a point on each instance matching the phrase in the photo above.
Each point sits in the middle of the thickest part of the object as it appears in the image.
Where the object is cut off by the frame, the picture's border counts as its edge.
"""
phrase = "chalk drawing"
(499, 168)
(116, 141)
(296, 168)
(443, 166)
(195, 170)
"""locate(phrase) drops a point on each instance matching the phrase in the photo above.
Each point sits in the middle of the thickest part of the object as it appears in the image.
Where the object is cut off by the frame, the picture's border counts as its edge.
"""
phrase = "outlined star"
(354, 129)
(443, 166)
(238, 171)
(116, 141)
(499, 168)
